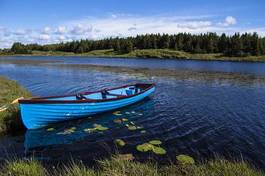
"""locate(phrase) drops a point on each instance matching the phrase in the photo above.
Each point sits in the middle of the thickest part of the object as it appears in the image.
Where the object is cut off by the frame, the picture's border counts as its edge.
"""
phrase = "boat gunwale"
(45, 100)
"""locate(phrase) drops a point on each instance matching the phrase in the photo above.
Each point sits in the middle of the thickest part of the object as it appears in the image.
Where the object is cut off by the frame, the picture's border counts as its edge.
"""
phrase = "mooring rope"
(5, 107)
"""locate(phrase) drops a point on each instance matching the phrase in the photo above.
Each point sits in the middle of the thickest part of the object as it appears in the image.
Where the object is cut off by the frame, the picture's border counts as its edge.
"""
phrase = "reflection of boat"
(54, 136)
(41, 111)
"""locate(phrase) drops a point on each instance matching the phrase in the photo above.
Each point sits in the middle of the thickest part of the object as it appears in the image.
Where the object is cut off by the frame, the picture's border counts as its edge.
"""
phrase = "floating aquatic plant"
(100, 127)
(131, 127)
(152, 146)
(50, 129)
(120, 120)
(124, 120)
(120, 142)
(68, 131)
(159, 150)
(185, 159)
(97, 127)
(117, 113)
(155, 142)
(117, 120)
(89, 130)
(145, 147)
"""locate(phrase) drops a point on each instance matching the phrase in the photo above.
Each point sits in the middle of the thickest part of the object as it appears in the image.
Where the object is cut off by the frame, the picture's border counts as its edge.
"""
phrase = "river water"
(200, 108)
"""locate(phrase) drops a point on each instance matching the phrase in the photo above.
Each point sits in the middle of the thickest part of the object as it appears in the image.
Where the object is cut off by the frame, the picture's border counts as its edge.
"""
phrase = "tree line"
(229, 45)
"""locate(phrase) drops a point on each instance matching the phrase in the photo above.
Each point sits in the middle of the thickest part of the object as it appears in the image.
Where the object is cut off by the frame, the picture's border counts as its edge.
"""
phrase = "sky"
(54, 21)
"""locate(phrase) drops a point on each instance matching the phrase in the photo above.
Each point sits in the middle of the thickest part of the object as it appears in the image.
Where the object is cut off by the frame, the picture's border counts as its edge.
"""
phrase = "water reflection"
(77, 130)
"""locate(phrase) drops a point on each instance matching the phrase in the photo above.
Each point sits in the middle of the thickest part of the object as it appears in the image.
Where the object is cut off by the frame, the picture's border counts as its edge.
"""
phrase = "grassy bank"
(119, 167)
(10, 91)
(148, 53)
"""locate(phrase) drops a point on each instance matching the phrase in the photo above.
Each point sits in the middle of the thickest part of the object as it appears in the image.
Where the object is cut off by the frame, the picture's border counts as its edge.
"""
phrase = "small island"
(209, 46)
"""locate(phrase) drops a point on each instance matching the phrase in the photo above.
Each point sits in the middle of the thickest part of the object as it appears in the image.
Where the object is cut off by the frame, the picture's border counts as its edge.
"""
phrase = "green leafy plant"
(120, 142)
(185, 159)
(68, 131)
(97, 127)
(153, 146)
(50, 129)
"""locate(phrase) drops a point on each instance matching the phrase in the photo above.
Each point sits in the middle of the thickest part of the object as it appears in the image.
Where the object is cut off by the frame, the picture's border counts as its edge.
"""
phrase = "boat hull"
(38, 115)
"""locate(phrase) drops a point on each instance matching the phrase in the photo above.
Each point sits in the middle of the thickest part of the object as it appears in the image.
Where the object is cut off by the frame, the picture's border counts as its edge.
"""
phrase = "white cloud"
(44, 37)
(61, 29)
(46, 30)
(195, 24)
(80, 29)
(61, 37)
(20, 32)
(229, 20)
(122, 25)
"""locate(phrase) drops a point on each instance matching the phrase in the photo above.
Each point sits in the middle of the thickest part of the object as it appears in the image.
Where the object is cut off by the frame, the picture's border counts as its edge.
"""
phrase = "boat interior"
(103, 94)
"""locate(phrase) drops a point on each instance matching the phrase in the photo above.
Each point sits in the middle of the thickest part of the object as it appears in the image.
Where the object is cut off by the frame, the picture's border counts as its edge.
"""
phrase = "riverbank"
(10, 91)
(146, 53)
(126, 167)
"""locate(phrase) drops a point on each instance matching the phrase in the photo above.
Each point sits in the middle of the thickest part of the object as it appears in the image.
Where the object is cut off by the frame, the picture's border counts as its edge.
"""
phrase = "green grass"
(23, 168)
(9, 119)
(117, 167)
(149, 53)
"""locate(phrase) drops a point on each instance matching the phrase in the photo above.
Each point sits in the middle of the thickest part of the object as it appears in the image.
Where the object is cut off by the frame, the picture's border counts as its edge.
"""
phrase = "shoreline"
(146, 54)
(144, 72)
(10, 121)
(125, 164)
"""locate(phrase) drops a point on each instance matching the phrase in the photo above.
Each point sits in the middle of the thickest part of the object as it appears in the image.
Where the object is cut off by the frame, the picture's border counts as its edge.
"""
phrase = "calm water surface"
(200, 117)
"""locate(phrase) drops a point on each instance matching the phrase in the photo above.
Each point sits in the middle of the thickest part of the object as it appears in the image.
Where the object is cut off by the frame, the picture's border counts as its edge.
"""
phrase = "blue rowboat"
(41, 111)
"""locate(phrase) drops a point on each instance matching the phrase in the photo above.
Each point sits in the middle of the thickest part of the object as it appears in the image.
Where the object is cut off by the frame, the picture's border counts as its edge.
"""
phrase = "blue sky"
(53, 21)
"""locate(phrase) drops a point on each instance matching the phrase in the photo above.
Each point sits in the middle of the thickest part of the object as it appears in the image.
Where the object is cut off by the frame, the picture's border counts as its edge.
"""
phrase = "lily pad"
(50, 129)
(120, 120)
(144, 147)
(124, 120)
(185, 159)
(120, 142)
(97, 127)
(155, 142)
(100, 127)
(131, 127)
(66, 131)
(117, 120)
(159, 150)
(117, 113)
(89, 130)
